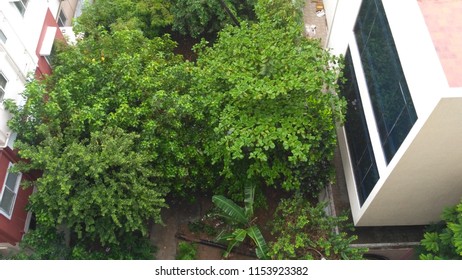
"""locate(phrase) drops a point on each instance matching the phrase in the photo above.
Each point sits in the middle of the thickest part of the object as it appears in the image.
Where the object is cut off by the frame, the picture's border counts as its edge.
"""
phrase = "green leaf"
(239, 234)
(230, 247)
(262, 248)
(230, 209)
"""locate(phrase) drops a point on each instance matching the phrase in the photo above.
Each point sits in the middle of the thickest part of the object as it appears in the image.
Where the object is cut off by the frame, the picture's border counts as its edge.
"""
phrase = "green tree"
(267, 95)
(109, 133)
(240, 222)
(443, 241)
(155, 17)
(303, 231)
(150, 16)
(195, 18)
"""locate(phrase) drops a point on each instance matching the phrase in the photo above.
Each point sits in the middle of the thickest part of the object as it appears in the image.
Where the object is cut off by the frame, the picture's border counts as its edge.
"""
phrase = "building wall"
(427, 177)
(19, 59)
(69, 8)
(340, 28)
(12, 229)
(405, 193)
(43, 68)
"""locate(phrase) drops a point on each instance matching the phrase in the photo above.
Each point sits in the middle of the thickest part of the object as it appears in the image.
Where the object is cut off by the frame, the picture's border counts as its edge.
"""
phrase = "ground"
(176, 219)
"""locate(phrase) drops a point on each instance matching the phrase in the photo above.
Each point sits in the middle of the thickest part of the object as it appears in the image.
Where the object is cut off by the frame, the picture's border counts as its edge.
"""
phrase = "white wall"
(402, 196)
(428, 176)
(330, 7)
(341, 27)
(17, 56)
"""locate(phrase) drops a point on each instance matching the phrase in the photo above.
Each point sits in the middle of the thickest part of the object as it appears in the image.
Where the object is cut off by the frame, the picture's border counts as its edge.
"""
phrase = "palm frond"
(262, 248)
(231, 245)
(229, 209)
(239, 234)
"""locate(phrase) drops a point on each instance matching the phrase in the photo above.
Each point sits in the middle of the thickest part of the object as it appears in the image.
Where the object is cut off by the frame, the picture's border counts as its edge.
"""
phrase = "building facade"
(28, 30)
(400, 142)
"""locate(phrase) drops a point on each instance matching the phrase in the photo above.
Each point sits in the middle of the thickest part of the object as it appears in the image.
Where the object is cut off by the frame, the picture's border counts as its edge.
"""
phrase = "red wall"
(43, 68)
(11, 230)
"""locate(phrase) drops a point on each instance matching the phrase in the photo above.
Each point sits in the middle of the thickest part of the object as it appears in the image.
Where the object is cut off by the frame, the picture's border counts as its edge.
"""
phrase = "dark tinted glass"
(393, 108)
(359, 142)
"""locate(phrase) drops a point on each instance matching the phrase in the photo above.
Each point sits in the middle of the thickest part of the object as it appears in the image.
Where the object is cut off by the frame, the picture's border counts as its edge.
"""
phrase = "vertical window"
(9, 192)
(391, 101)
(359, 143)
(3, 82)
(62, 19)
(21, 5)
(2, 37)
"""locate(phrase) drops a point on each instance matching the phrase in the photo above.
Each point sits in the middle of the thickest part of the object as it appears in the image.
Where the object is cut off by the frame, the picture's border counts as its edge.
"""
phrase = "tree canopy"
(108, 132)
(123, 122)
(268, 98)
(149, 16)
(155, 17)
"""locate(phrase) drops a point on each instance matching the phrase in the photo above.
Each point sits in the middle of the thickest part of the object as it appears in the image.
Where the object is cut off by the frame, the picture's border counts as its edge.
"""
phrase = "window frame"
(21, 5)
(3, 88)
(9, 214)
(392, 103)
(59, 19)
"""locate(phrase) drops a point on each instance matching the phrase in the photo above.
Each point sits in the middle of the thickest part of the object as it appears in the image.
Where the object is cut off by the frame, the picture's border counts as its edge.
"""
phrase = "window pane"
(2, 37)
(62, 19)
(7, 201)
(384, 76)
(11, 180)
(2, 81)
(357, 132)
(21, 5)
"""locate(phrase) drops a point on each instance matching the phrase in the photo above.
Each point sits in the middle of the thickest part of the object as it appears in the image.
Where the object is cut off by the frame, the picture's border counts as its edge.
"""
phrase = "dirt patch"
(177, 226)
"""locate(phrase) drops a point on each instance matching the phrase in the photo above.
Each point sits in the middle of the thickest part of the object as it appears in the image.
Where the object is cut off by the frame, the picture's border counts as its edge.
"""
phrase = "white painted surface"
(427, 177)
(425, 173)
(18, 58)
(330, 7)
(341, 28)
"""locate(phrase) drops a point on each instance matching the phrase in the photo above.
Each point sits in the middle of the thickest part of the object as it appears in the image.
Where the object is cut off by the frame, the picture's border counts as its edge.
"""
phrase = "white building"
(400, 145)
(28, 29)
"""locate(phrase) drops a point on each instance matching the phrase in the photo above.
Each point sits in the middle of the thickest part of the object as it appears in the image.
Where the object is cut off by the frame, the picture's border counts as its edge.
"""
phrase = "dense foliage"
(444, 240)
(46, 243)
(109, 132)
(155, 17)
(149, 16)
(122, 122)
(194, 18)
(267, 95)
(303, 231)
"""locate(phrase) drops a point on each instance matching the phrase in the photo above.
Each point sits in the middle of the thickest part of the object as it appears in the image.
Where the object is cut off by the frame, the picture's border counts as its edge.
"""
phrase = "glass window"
(357, 132)
(2, 37)
(3, 82)
(9, 192)
(391, 101)
(62, 19)
(21, 5)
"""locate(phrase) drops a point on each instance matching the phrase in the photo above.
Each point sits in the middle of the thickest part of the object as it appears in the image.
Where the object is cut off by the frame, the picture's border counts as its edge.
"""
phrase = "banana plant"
(241, 221)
